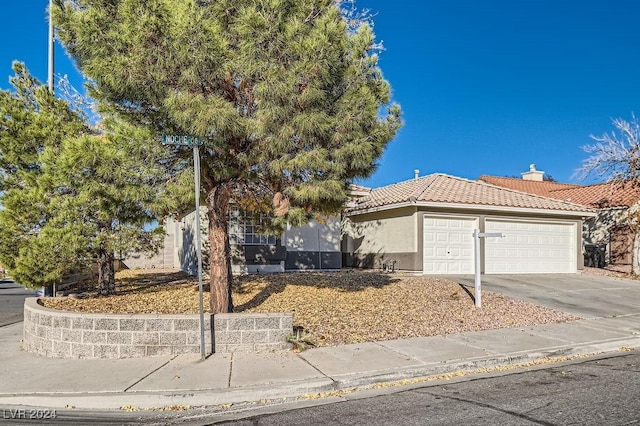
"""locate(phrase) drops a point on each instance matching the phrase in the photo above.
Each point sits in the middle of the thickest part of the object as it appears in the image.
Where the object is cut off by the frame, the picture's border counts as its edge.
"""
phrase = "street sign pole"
(196, 169)
(195, 142)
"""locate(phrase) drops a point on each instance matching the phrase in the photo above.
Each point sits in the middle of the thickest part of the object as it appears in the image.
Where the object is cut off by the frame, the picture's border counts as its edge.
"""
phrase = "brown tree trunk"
(106, 272)
(219, 251)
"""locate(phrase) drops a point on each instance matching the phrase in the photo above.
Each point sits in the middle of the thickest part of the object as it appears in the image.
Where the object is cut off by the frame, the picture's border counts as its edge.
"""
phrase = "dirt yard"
(334, 307)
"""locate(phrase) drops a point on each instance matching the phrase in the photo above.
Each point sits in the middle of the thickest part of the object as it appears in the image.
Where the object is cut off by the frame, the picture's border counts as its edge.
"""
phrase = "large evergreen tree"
(32, 120)
(103, 192)
(287, 93)
(72, 196)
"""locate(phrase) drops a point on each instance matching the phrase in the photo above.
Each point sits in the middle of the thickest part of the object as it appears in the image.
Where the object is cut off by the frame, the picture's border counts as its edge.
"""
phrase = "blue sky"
(486, 86)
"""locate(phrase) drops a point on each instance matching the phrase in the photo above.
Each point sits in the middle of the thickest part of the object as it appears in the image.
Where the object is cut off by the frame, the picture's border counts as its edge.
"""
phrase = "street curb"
(485, 364)
(160, 399)
(316, 388)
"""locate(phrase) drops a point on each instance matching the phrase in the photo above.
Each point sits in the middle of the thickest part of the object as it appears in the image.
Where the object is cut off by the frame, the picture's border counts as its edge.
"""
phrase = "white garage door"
(448, 245)
(530, 247)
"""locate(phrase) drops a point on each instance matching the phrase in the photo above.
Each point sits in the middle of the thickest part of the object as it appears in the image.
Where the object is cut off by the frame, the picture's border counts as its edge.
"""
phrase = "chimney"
(416, 173)
(533, 174)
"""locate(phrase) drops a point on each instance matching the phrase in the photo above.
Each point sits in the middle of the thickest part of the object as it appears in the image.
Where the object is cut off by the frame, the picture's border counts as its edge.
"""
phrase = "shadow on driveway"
(586, 296)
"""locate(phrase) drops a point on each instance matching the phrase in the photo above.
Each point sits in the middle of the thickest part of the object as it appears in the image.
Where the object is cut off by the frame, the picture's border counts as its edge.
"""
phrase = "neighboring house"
(426, 225)
(614, 223)
(314, 246)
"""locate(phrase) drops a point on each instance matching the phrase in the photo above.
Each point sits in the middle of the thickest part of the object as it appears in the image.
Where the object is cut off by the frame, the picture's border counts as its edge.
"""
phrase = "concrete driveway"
(586, 296)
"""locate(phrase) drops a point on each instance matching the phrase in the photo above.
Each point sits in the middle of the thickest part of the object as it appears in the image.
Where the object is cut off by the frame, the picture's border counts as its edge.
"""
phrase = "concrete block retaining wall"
(61, 334)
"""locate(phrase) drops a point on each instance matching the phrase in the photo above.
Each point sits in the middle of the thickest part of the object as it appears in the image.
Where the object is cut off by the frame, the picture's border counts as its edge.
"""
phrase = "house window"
(243, 229)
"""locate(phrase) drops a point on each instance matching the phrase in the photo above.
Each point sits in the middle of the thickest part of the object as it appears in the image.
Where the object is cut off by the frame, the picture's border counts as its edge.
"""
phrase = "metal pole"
(50, 87)
(476, 249)
(319, 250)
(196, 170)
(51, 48)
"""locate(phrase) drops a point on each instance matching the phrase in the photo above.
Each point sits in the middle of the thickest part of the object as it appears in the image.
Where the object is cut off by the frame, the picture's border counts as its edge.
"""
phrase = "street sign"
(195, 142)
(181, 140)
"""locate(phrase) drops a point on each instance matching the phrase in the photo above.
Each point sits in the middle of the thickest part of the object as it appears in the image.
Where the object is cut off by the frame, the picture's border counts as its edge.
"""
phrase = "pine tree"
(287, 93)
(104, 194)
(31, 120)
(71, 195)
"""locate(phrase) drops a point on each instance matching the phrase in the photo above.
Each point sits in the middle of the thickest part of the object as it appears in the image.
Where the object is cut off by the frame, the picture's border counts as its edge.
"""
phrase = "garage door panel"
(442, 237)
(448, 245)
(455, 238)
(441, 252)
(530, 247)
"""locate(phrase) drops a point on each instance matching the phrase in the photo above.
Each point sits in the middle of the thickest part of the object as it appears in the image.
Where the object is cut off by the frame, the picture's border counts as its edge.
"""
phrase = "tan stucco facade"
(388, 231)
(373, 238)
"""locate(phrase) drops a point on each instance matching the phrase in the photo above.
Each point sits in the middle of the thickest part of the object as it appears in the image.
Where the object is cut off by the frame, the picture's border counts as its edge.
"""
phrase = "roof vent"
(416, 173)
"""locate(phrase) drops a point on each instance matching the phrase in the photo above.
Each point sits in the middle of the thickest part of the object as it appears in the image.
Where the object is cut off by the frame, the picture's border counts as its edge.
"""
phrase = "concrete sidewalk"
(31, 380)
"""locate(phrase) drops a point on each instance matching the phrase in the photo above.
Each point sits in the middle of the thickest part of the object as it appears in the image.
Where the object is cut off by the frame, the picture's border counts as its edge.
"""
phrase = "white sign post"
(195, 142)
(476, 248)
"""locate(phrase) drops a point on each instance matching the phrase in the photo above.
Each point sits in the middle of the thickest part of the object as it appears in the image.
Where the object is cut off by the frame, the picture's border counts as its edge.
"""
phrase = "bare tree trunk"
(219, 250)
(106, 272)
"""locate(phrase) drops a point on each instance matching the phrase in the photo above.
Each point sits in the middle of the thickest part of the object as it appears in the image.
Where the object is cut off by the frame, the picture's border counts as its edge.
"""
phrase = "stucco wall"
(313, 246)
(184, 243)
(382, 239)
(596, 230)
(165, 257)
(314, 236)
(382, 232)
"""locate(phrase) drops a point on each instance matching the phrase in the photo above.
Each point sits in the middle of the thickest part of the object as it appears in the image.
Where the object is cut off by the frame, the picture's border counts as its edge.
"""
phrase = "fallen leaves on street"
(335, 307)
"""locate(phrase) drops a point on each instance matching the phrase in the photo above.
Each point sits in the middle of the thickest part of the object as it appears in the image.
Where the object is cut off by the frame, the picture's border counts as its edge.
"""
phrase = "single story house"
(614, 225)
(426, 225)
(314, 246)
(423, 225)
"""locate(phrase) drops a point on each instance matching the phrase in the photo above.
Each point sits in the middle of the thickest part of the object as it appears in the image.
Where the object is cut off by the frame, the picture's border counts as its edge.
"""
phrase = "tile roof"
(353, 187)
(529, 186)
(441, 188)
(611, 194)
(597, 196)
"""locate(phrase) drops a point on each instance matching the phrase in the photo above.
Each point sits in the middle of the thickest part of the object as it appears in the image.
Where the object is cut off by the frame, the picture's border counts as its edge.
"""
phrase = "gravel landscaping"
(334, 307)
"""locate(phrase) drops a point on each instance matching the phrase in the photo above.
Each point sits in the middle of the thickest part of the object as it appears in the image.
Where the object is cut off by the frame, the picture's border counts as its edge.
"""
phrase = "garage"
(448, 245)
(425, 225)
(530, 247)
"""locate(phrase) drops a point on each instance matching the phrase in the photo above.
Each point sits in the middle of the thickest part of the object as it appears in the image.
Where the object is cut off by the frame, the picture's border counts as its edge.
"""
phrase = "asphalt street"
(12, 297)
(603, 391)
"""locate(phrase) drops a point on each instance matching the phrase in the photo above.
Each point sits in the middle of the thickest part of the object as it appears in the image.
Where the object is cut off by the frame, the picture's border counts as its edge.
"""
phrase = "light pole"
(51, 48)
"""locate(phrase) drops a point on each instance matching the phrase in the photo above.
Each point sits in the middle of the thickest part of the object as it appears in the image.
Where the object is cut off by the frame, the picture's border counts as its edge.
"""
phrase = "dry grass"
(335, 307)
